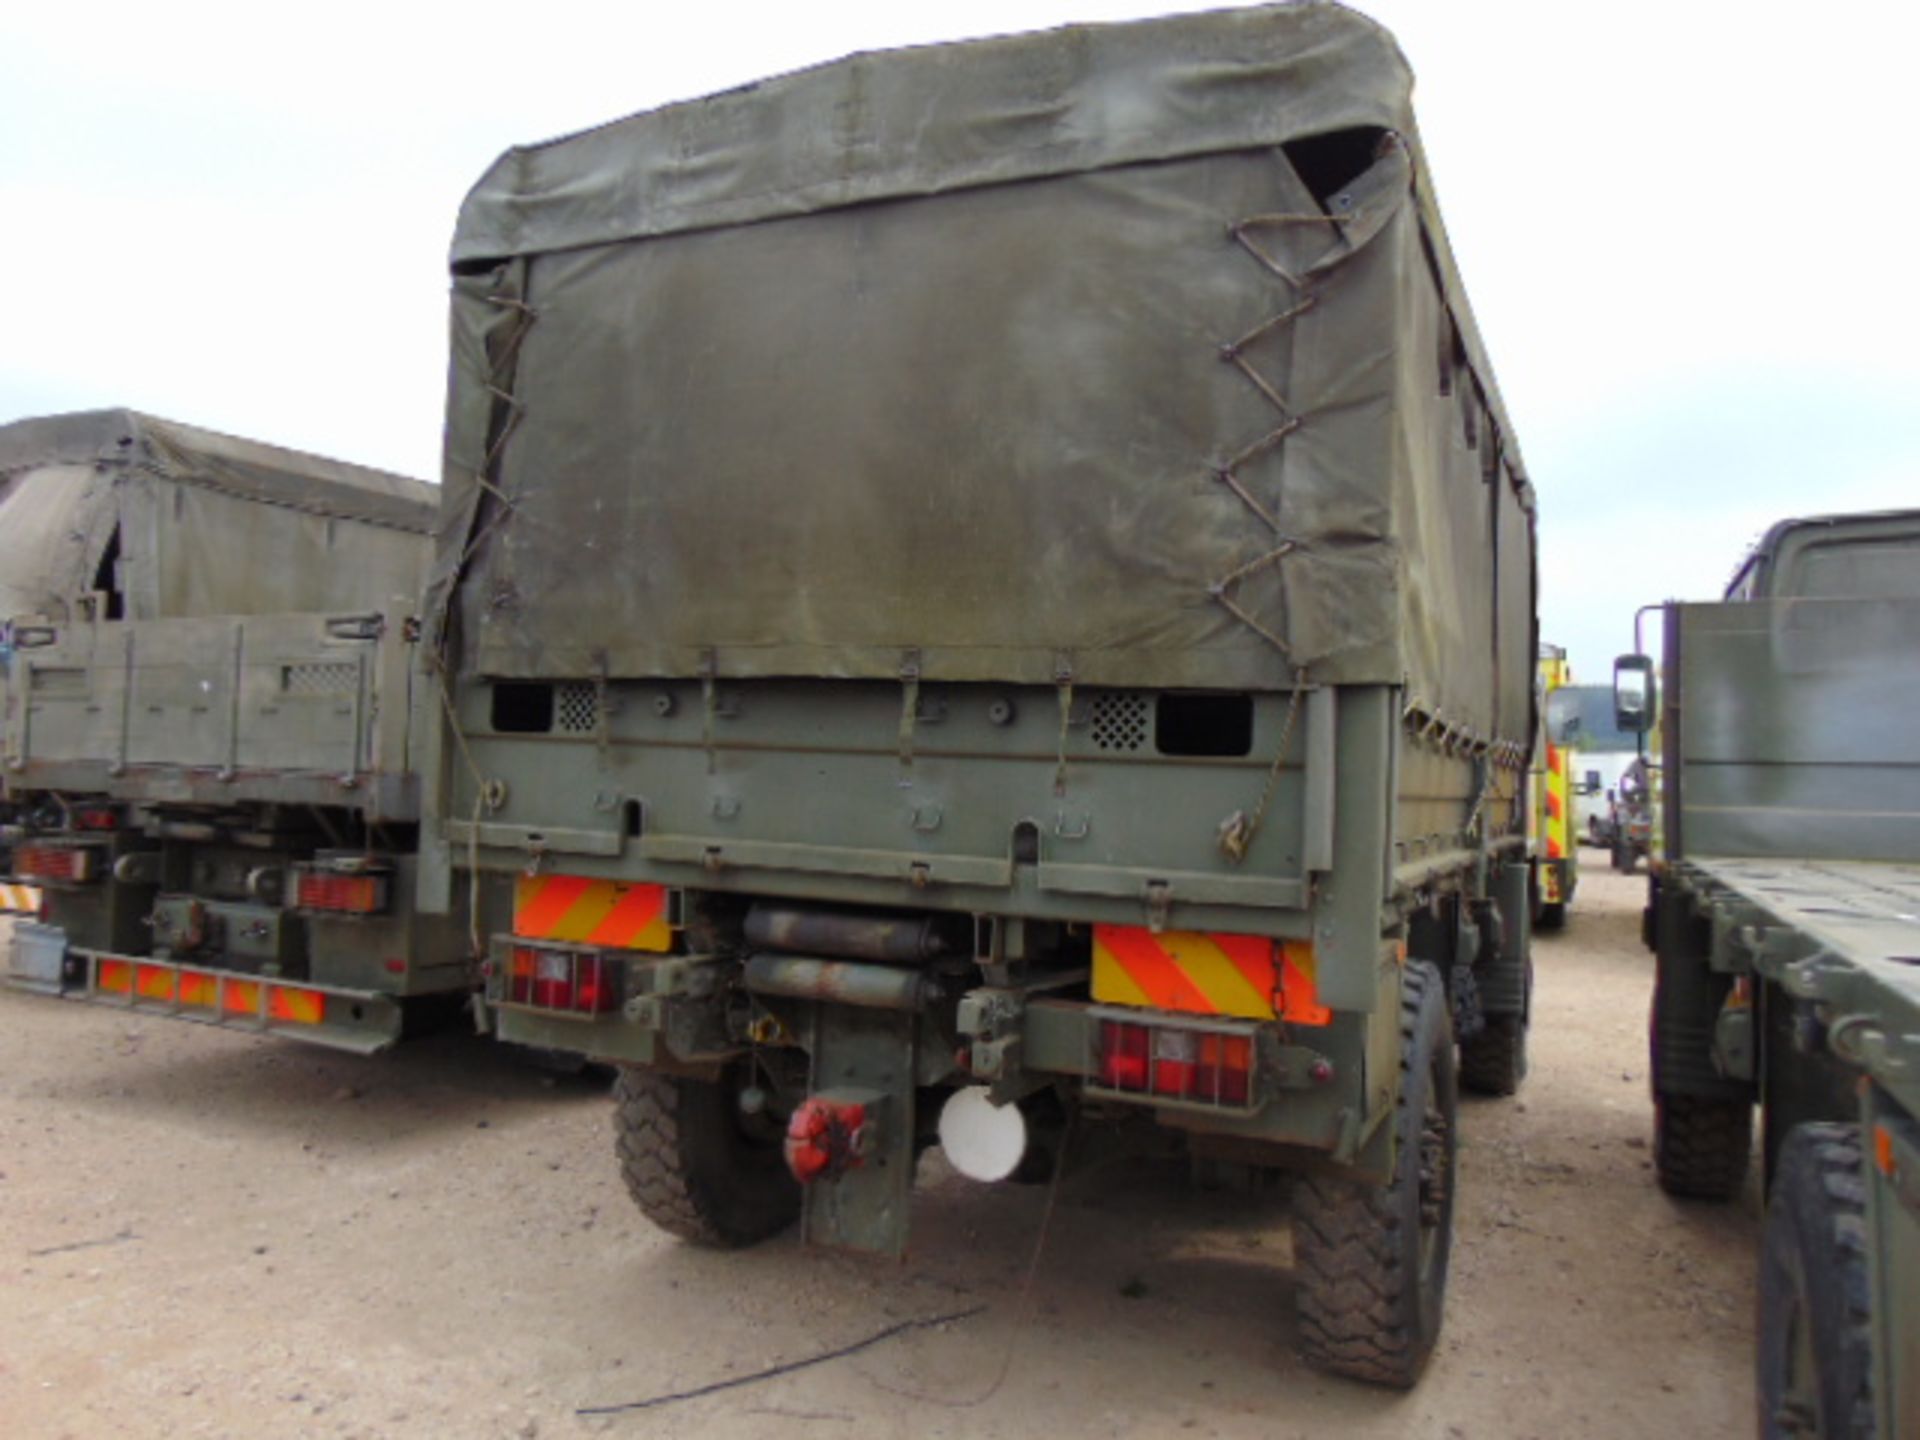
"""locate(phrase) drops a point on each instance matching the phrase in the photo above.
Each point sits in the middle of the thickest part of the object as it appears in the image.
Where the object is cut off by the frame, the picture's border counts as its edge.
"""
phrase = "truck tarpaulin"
(183, 522)
(1111, 352)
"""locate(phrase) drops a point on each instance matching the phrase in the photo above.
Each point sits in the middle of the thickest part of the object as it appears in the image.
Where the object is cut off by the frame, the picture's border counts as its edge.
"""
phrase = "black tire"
(1371, 1260)
(1815, 1352)
(1494, 1062)
(694, 1164)
(1551, 917)
(1701, 1146)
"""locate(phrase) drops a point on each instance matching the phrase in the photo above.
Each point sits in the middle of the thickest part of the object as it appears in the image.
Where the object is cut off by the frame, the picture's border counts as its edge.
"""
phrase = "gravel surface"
(207, 1234)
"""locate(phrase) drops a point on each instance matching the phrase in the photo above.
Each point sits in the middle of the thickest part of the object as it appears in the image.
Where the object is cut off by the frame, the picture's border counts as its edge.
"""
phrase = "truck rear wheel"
(1815, 1351)
(695, 1165)
(1371, 1260)
(1494, 1062)
(1700, 1146)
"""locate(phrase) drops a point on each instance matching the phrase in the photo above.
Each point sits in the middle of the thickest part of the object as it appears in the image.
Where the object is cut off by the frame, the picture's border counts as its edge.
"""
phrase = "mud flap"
(866, 1054)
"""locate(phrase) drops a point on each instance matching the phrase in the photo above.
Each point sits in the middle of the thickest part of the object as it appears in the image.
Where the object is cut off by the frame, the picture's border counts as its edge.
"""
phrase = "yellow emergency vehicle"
(1555, 855)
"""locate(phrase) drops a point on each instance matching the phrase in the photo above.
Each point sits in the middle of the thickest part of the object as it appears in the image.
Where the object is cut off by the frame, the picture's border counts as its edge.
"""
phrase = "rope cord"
(1238, 830)
(1023, 1318)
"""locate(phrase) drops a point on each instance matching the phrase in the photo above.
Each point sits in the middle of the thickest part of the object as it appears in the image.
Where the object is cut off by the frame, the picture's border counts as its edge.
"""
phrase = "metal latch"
(1159, 904)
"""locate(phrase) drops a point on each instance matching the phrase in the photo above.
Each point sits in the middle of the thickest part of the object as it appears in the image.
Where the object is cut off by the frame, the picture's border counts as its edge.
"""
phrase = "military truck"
(1784, 912)
(987, 597)
(210, 729)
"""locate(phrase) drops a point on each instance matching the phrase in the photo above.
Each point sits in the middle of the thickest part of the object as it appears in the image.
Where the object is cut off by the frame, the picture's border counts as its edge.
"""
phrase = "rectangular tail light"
(1174, 1062)
(340, 894)
(570, 981)
(61, 864)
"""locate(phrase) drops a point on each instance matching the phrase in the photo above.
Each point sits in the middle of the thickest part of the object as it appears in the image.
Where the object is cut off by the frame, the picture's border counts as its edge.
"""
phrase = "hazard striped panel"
(203, 990)
(591, 912)
(19, 900)
(1204, 973)
(1559, 763)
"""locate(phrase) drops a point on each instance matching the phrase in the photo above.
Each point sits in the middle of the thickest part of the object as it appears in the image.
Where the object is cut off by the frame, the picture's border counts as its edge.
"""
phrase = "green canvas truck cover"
(1115, 353)
(181, 522)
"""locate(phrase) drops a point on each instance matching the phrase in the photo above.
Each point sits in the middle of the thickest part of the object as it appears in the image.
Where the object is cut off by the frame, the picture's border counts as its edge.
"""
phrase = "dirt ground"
(208, 1234)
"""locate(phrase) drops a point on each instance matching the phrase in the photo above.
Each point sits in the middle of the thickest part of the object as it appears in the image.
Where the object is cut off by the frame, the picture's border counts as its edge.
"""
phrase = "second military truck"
(1784, 911)
(212, 712)
(988, 594)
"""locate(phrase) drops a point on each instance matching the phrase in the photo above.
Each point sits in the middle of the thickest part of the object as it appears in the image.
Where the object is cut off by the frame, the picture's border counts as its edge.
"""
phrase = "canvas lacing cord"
(709, 705)
(1063, 690)
(511, 410)
(1238, 829)
(501, 426)
(488, 794)
(909, 704)
(1234, 353)
(1475, 825)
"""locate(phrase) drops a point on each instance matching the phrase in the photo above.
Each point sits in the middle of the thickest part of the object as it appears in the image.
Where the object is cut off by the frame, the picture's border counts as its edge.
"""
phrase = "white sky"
(1687, 228)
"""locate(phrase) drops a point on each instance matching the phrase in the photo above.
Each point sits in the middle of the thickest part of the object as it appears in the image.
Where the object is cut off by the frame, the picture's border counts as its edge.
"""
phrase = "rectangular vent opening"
(522, 707)
(1204, 725)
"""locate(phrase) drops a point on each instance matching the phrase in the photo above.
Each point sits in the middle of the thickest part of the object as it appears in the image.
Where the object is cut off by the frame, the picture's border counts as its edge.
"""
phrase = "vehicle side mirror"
(1593, 783)
(1633, 694)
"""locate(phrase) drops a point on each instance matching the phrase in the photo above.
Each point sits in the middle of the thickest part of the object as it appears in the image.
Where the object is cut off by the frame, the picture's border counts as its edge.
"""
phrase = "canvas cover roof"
(198, 523)
(916, 359)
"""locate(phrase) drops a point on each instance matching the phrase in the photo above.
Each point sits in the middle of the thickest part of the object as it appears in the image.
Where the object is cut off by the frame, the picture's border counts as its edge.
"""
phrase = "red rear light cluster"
(1176, 1063)
(565, 980)
(96, 817)
(60, 863)
(342, 894)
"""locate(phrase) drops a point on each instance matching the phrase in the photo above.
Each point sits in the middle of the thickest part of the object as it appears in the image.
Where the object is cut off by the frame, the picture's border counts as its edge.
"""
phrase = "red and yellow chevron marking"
(1559, 763)
(303, 1007)
(591, 912)
(201, 989)
(19, 899)
(1207, 974)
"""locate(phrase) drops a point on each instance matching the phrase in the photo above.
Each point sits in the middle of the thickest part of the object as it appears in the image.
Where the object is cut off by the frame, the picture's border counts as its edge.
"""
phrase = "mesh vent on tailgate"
(320, 677)
(1119, 720)
(576, 707)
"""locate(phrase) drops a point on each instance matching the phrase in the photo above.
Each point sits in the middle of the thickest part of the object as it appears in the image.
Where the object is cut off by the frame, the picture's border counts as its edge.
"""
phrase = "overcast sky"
(1687, 228)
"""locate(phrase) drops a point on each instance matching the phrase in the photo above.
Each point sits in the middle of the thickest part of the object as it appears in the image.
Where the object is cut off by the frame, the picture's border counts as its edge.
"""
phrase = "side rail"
(1821, 1017)
(1788, 729)
(301, 709)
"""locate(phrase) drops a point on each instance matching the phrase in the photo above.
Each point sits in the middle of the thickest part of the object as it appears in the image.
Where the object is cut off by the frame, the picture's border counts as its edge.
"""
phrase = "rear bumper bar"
(360, 1021)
